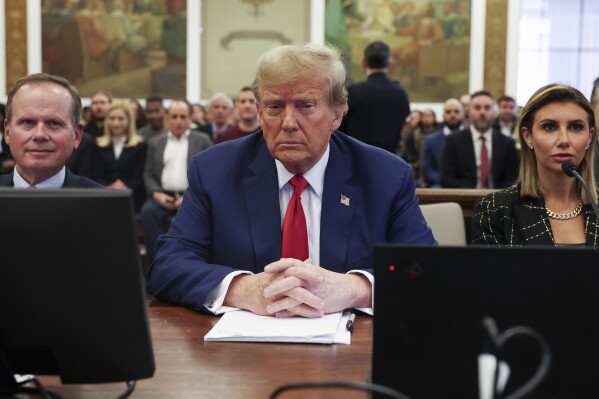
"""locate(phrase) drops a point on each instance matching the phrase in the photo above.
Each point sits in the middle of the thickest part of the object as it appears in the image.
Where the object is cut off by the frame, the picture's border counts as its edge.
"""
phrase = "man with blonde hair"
(263, 212)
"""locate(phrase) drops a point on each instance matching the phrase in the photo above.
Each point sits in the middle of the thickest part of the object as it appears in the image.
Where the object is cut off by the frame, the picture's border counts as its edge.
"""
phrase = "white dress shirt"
(55, 181)
(311, 199)
(117, 145)
(174, 173)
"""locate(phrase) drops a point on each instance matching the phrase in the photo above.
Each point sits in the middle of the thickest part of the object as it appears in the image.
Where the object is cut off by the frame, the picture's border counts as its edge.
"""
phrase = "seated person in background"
(595, 105)
(248, 117)
(155, 116)
(100, 102)
(430, 162)
(7, 163)
(221, 108)
(165, 171)
(479, 156)
(507, 116)
(42, 129)
(120, 154)
(198, 116)
(546, 206)
(241, 238)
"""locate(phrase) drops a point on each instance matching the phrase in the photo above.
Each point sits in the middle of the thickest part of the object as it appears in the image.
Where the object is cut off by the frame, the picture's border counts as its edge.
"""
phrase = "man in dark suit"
(379, 106)
(43, 129)
(165, 172)
(229, 246)
(221, 107)
(479, 157)
(430, 163)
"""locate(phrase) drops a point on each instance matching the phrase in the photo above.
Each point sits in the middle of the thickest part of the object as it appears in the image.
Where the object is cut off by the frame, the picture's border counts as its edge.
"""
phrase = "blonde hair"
(133, 138)
(528, 179)
(294, 63)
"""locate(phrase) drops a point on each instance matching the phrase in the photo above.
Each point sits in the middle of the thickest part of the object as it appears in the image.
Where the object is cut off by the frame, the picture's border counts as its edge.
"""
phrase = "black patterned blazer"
(505, 218)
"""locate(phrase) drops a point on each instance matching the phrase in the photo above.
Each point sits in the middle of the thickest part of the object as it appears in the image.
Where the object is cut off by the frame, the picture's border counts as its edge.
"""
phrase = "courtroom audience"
(379, 106)
(479, 156)
(546, 206)
(155, 116)
(165, 171)
(120, 154)
(465, 100)
(432, 146)
(428, 124)
(412, 124)
(198, 116)
(507, 116)
(100, 102)
(239, 242)
(139, 113)
(248, 123)
(7, 163)
(219, 112)
(42, 129)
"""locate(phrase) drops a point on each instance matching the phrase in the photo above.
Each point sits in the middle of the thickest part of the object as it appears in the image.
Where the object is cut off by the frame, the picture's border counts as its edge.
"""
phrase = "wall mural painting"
(429, 40)
(130, 48)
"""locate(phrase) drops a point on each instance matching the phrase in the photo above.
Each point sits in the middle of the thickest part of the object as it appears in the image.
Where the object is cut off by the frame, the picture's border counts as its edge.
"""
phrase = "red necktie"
(295, 232)
(484, 163)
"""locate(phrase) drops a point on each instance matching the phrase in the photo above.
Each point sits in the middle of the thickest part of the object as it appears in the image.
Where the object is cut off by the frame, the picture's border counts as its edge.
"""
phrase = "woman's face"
(118, 122)
(560, 132)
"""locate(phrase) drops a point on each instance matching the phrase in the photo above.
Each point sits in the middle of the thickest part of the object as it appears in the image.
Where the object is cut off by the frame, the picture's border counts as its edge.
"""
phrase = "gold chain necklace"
(565, 216)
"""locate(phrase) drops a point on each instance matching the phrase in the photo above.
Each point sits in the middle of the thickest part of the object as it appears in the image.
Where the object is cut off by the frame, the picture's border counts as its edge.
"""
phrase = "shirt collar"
(314, 176)
(171, 136)
(55, 181)
(120, 140)
(476, 134)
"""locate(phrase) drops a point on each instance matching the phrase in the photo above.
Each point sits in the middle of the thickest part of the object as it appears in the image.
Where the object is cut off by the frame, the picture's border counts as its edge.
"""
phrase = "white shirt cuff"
(370, 277)
(216, 296)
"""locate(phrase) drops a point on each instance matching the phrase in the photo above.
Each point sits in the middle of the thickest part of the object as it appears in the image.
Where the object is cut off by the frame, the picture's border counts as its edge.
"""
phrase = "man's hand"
(118, 185)
(164, 200)
(303, 282)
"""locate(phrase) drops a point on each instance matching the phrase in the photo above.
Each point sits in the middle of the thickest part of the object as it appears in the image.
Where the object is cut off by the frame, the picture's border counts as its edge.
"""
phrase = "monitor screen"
(72, 296)
(431, 302)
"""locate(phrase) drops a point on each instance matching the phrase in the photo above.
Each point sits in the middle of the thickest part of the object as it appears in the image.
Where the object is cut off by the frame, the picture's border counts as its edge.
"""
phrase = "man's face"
(40, 134)
(220, 111)
(507, 111)
(452, 116)
(178, 118)
(155, 115)
(482, 112)
(100, 105)
(246, 106)
(297, 121)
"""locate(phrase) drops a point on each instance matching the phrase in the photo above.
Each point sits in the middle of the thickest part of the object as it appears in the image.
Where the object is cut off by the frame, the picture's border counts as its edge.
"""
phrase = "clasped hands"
(290, 287)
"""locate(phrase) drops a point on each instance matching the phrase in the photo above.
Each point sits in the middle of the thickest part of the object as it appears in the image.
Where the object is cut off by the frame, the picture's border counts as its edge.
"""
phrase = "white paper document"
(245, 326)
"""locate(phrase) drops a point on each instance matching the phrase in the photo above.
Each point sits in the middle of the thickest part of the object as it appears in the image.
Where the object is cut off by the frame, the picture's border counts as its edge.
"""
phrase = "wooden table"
(187, 367)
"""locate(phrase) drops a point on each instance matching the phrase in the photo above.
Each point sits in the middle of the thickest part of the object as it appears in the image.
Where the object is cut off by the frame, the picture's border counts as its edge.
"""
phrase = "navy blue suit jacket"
(230, 217)
(70, 180)
(430, 162)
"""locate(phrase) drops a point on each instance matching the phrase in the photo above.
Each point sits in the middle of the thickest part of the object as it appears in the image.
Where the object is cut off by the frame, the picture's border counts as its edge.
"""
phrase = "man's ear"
(78, 136)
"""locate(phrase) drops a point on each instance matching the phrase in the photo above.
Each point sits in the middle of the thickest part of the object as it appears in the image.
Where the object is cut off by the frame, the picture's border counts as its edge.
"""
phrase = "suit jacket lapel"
(336, 217)
(261, 191)
(159, 156)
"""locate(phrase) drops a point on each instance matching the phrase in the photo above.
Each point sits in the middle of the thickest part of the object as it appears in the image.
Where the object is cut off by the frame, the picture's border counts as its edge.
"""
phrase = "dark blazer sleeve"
(495, 220)
(152, 175)
(507, 164)
(449, 163)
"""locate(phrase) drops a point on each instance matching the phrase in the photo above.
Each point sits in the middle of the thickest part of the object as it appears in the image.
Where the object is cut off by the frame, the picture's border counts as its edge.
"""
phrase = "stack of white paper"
(245, 326)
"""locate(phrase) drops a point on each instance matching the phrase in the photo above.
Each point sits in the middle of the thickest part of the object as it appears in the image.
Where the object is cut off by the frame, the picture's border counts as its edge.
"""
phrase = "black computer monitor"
(72, 296)
(431, 302)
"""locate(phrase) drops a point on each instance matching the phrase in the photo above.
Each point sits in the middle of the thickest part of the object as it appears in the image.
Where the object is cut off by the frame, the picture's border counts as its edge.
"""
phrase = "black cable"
(128, 391)
(369, 387)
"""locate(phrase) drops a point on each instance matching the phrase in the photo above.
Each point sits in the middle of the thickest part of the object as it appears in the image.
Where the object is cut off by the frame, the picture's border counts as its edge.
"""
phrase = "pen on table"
(350, 322)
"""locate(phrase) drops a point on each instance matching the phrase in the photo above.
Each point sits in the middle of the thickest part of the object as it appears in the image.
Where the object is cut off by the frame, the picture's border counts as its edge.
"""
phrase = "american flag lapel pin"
(344, 200)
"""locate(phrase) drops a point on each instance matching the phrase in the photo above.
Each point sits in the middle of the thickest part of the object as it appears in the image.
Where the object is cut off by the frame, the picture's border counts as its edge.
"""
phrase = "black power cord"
(356, 386)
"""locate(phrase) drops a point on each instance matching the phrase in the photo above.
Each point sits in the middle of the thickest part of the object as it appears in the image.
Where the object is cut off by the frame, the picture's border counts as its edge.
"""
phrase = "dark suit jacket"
(505, 218)
(155, 157)
(597, 161)
(129, 168)
(70, 180)
(377, 111)
(458, 161)
(230, 218)
(430, 162)
(81, 162)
